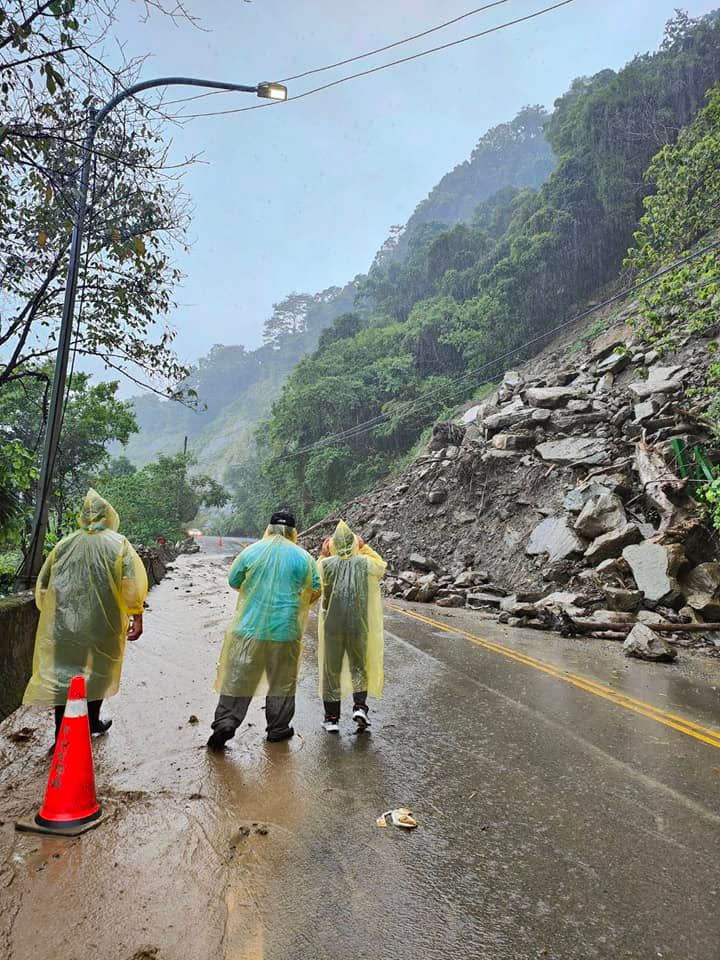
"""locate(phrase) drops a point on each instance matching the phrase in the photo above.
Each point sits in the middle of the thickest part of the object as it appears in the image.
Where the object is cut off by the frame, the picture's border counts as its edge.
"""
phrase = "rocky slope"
(557, 501)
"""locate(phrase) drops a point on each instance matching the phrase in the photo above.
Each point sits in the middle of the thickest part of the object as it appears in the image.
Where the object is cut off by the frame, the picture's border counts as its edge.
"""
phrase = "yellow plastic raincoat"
(89, 586)
(350, 627)
(277, 581)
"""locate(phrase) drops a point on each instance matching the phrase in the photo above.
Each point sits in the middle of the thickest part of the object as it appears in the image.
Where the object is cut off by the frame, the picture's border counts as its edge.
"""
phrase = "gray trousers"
(279, 711)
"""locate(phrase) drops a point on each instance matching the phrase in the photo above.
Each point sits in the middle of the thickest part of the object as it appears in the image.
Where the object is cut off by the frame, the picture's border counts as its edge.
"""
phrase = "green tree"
(161, 499)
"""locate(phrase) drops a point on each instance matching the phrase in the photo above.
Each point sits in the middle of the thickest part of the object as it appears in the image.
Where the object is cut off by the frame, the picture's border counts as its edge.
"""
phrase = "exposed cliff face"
(565, 480)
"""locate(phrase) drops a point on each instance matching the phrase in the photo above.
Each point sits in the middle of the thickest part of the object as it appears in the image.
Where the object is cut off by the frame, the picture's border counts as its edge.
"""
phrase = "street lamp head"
(272, 91)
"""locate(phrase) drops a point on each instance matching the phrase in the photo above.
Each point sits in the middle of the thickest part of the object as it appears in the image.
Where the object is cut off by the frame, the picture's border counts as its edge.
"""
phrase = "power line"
(397, 43)
(383, 66)
(444, 393)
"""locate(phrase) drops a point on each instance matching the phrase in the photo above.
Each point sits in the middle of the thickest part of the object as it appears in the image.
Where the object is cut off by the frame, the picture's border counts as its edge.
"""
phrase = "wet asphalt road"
(555, 821)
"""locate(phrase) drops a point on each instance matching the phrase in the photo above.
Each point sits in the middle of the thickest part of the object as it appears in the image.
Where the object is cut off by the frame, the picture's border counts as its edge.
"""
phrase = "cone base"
(72, 829)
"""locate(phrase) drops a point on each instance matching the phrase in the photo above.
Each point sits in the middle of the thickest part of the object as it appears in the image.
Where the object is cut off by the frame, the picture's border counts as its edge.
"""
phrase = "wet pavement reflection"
(553, 823)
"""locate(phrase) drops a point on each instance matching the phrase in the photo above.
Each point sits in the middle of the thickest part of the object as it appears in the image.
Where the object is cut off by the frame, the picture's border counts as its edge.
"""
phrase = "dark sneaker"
(220, 737)
(331, 725)
(360, 716)
(100, 727)
(282, 735)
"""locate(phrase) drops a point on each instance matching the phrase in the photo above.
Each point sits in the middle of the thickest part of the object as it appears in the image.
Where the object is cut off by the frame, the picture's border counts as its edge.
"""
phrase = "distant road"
(224, 546)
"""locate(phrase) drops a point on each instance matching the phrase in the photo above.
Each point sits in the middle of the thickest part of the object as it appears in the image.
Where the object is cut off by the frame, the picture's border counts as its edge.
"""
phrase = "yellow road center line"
(672, 720)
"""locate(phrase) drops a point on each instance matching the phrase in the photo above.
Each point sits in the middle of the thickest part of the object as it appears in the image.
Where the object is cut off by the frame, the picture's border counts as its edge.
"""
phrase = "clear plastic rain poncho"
(89, 586)
(277, 582)
(350, 628)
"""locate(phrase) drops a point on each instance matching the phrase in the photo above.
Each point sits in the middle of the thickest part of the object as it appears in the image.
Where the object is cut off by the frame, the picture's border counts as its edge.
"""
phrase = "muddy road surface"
(568, 805)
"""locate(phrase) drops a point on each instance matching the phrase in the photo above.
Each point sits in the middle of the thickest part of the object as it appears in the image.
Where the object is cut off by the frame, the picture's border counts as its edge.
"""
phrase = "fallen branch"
(590, 626)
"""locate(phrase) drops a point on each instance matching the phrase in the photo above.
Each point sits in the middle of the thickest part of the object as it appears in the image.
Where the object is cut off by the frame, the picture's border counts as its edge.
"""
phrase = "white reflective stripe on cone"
(76, 708)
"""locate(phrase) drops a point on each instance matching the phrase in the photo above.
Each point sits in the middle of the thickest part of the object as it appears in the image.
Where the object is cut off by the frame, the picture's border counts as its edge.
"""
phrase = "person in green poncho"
(90, 593)
(350, 626)
(277, 582)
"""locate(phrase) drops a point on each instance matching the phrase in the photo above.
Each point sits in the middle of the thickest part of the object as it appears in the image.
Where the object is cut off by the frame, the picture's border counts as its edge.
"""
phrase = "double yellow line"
(672, 720)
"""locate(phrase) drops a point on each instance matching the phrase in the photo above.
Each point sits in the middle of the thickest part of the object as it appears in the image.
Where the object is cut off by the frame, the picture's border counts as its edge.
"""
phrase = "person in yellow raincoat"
(277, 582)
(350, 627)
(89, 588)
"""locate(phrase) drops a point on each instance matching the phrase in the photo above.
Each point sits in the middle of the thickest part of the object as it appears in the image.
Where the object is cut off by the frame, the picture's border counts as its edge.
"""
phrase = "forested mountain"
(463, 296)
(236, 387)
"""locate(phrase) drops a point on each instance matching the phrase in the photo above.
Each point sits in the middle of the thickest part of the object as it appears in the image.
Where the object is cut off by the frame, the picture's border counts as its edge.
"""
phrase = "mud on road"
(553, 823)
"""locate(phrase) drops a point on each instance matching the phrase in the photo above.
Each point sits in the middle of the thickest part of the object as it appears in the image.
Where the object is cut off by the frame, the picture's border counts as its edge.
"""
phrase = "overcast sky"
(300, 196)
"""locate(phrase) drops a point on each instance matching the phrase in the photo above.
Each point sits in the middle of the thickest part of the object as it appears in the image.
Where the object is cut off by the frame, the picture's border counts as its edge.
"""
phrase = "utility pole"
(33, 560)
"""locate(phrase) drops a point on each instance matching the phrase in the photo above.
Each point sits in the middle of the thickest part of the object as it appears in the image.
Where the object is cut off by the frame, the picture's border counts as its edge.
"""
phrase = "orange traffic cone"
(70, 805)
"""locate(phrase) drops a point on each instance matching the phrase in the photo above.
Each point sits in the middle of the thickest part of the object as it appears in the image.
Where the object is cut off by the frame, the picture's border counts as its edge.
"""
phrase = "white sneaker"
(331, 726)
(360, 716)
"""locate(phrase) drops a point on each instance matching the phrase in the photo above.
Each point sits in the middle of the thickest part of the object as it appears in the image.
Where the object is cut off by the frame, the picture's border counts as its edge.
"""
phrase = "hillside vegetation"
(236, 387)
(438, 317)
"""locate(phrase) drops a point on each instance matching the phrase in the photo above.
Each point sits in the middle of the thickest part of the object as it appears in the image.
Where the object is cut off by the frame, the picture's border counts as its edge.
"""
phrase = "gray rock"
(437, 496)
(551, 397)
(483, 599)
(702, 589)
(644, 410)
(409, 576)
(512, 441)
(423, 562)
(389, 536)
(541, 416)
(627, 601)
(575, 500)
(513, 379)
(614, 362)
(613, 543)
(600, 516)
(472, 414)
(574, 450)
(660, 380)
(580, 406)
(614, 567)
(428, 588)
(464, 516)
(466, 579)
(554, 537)
(561, 598)
(645, 644)
(454, 600)
(606, 342)
(516, 607)
(507, 416)
(605, 383)
(654, 567)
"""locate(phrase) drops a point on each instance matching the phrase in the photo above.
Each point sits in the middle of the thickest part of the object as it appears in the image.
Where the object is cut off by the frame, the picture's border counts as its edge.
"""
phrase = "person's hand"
(325, 552)
(135, 627)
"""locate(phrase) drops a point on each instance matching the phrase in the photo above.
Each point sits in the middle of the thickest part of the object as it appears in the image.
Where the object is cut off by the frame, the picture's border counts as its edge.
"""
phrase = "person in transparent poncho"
(350, 626)
(277, 581)
(90, 593)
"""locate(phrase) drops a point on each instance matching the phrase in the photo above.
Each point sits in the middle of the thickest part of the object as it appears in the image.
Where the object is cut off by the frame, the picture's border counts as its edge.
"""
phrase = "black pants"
(279, 711)
(332, 707)
(93, 715)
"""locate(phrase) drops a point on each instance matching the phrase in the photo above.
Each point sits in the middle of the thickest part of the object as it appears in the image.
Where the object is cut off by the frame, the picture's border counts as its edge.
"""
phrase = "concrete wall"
(18, 622)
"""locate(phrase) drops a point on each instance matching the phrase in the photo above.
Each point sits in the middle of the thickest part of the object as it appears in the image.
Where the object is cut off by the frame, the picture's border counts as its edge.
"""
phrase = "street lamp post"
(33, 561)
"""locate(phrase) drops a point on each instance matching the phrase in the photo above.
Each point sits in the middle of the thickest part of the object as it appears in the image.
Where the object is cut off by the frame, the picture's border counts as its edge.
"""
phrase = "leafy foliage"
(94, 418)
(160, 499)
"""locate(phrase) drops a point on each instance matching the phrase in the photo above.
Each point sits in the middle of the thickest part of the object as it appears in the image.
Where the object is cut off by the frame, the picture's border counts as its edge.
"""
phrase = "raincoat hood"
(281, 530)
(97, 513)
(344, 543)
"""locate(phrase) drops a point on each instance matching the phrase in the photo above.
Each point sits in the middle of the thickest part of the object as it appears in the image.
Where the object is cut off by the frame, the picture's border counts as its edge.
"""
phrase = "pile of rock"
(557, 498)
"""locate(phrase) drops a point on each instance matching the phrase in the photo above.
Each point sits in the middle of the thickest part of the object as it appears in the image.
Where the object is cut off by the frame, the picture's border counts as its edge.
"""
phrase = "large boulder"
(551, 397)
(659, 380)
(507, 416)
(623, 600)
(554, 537)
(702, 588)
(600, 516)
(645, 644)
(422, 562)
(613, 543)
(655, 567)
(574, 450)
